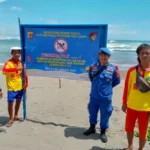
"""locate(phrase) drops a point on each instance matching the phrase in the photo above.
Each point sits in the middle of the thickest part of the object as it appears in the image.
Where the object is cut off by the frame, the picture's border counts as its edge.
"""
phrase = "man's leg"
(17, 106)
(143, 118)
(106, 109)
(130, 136)
(10, 111)
(10, 96)
(131, 117)
(93, 112)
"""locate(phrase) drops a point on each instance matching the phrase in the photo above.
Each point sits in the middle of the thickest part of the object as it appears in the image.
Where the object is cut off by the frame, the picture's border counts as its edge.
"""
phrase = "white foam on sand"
(1, 64)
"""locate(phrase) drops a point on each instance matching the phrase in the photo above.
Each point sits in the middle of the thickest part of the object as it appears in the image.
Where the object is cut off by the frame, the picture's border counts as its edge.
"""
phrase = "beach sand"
(57, 117)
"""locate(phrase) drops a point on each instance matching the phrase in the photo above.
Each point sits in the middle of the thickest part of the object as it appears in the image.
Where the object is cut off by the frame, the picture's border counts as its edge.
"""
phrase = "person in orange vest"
(136, 97)
(12, 69)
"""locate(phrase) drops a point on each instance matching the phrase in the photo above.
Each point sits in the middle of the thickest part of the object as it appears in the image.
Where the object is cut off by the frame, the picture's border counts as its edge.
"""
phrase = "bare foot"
(18, 119)
(9, 124)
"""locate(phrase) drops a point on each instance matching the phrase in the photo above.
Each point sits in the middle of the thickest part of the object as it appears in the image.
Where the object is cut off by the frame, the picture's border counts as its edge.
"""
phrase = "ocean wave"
(122, 49)
(9, 38)
(124, 45)
(113, 45)
(125, 67)
(1, 64)
(111, 41)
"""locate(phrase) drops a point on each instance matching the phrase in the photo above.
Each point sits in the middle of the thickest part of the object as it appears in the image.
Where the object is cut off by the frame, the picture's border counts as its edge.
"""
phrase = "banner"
(63, 51)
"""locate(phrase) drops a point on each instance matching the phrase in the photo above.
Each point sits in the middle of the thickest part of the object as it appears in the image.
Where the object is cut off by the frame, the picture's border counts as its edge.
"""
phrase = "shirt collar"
(15, 62)
(99, 64)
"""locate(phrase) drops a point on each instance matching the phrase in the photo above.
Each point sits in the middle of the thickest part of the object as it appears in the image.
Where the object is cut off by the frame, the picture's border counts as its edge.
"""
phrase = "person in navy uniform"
(104, 77)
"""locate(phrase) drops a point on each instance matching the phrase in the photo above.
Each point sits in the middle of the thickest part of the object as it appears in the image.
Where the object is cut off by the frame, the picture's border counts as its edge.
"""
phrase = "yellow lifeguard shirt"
(13, 76)
(132, 96)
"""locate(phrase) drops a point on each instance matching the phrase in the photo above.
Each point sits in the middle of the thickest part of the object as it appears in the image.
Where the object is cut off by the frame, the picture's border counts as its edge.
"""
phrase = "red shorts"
(132, 116)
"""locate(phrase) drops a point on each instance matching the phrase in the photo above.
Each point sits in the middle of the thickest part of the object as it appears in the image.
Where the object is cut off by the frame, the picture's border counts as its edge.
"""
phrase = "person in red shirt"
(136, 97)
(13, 71)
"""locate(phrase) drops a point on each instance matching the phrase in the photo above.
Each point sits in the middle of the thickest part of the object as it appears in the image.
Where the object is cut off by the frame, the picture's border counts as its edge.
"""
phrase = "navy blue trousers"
(106, 109)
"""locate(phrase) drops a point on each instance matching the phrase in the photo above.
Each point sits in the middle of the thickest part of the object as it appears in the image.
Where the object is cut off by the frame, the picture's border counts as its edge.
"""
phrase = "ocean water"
(123, 51)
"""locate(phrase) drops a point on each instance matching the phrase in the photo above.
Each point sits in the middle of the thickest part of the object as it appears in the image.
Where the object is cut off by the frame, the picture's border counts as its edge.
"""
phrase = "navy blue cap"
(104, 50)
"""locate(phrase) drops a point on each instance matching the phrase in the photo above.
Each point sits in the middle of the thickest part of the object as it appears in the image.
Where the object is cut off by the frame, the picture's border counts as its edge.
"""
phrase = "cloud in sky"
(16, 8)
(1, 1)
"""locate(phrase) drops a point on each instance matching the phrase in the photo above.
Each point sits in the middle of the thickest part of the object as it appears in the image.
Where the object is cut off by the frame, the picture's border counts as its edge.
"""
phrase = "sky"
(126, 19)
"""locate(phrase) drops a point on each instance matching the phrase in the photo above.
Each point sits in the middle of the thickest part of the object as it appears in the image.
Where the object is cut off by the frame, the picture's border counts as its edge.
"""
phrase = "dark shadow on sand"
(4, 120)
(99, 148)
(77, 132)
(46, 123)
(70, 131)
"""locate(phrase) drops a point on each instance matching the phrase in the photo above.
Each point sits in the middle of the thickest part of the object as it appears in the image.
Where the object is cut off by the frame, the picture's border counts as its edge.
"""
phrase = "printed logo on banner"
(61, 45)
(30, 34)
(87, 68)
(93, 36)
(29, 58)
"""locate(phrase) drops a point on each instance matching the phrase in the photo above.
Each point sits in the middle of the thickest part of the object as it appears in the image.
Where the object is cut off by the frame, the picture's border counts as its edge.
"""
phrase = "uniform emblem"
(30, 35)
(94, 68)
(109, 70)
(93, 36)
(134, 87)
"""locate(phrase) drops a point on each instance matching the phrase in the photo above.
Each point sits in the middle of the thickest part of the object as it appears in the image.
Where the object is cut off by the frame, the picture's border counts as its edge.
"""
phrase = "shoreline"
(122, 74)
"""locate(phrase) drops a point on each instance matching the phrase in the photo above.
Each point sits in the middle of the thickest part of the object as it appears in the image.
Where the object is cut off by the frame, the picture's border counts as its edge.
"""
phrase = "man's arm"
(116, 77)
(127, 87)
(7, 69)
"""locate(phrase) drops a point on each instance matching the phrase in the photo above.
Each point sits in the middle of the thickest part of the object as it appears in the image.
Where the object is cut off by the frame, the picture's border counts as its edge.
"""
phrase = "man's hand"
(1, 94)
(20, 67)
(124, 108)
(24, 88)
